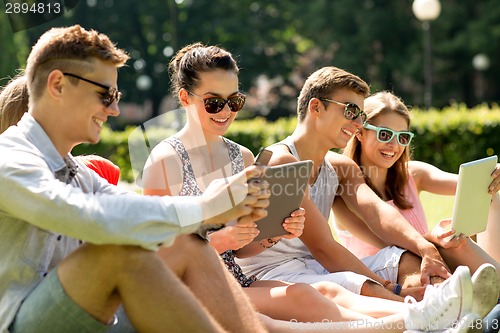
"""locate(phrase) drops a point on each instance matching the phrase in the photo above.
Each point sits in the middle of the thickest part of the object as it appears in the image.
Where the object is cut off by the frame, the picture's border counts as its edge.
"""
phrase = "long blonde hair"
(397, 176)
(13, 102)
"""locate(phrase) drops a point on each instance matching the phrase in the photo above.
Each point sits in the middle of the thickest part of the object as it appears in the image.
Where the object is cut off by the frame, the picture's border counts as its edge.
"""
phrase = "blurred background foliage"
(278, 43)
(444, 137)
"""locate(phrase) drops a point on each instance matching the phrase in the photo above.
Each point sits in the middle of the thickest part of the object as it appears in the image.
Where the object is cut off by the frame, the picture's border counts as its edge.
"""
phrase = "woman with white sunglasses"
(382, 150)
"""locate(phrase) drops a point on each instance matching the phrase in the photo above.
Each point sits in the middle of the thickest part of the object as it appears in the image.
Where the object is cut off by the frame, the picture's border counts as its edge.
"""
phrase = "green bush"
(449, 137)
(445, 138)
(114, 146)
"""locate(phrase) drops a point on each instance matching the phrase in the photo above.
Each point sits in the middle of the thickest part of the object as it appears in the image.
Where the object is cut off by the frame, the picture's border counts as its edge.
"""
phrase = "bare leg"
(299, 302)
(371, 306)
(468, 254)
(488, 239)
(372, 289)
(154, 298)
(409, 270)
(202, 270)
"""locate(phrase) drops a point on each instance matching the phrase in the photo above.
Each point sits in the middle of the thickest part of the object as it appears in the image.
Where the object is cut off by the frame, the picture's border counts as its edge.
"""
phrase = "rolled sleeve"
(189, 214)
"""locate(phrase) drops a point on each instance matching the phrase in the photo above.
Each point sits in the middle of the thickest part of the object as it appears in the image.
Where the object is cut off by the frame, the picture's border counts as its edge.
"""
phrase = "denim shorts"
(49, 309)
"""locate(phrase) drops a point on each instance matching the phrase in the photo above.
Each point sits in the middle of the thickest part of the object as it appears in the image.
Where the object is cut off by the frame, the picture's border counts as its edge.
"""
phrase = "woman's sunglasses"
(351, 110)
(107, 98)
(386, 135)
(216, 104)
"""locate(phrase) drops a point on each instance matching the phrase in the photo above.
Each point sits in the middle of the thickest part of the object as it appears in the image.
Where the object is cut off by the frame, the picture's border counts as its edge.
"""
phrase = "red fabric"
(104, 167)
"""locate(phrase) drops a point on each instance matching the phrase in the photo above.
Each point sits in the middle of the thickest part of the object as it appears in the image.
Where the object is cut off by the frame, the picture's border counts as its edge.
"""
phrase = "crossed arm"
(385, 222)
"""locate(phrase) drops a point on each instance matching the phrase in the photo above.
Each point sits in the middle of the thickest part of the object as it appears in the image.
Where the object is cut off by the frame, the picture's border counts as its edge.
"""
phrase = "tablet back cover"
(287, 183)
(472, 200)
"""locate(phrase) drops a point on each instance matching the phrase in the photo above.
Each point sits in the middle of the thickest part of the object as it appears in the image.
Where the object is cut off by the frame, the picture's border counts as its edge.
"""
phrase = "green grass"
(436, 207)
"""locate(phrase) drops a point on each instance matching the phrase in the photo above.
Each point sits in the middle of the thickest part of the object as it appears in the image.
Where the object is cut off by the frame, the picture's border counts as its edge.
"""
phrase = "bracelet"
(397, 289)
(270, 241)
(386, 283)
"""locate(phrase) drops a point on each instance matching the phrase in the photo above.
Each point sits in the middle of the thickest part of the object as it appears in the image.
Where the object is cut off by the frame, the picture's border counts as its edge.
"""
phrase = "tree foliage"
(279, 43)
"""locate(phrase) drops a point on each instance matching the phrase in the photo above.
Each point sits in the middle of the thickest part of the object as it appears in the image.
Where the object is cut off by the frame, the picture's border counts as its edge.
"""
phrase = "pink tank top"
(415, 216)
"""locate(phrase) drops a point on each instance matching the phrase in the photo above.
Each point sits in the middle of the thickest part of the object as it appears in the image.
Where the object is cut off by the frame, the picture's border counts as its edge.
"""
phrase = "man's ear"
(314, 105)
(55, 83)
(359, 134)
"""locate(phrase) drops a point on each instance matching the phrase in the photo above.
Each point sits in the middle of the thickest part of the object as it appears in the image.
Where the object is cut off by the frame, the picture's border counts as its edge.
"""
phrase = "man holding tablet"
(323, 125)
(329, 112)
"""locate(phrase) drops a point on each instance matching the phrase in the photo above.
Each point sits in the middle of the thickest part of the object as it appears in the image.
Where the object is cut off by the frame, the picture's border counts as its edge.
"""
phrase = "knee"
(301, 293)
(191, 246)
(191, 243)
(410, 259)
(328, 289)
(104, 260)
(114, 255)
(371, 288)
(409, 264)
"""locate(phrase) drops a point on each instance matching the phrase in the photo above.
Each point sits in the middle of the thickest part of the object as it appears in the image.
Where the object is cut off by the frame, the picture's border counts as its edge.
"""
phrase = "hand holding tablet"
(288, 184)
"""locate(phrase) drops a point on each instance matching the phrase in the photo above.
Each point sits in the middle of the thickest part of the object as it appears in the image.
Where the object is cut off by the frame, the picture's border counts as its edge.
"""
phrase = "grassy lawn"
(436, 207)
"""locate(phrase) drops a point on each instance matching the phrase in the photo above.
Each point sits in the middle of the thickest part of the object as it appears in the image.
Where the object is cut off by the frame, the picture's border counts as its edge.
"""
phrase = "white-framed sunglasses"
(386, 134)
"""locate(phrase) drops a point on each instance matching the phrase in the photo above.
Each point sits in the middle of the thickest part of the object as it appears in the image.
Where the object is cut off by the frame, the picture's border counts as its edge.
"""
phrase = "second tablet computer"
(472, 200)
(288, 184)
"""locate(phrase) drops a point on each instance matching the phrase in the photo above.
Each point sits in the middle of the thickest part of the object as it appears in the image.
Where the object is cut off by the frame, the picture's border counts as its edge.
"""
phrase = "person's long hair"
(397, 176)
(13, 102)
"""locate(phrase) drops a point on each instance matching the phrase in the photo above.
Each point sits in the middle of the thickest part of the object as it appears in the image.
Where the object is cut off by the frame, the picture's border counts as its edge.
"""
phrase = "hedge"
(445, 138)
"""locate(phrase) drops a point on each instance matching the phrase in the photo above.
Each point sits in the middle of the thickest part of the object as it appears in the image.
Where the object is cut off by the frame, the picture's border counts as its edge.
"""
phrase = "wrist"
(393, 287)
(428, 249)
(387, 284)
(397, 289)
(268, 242)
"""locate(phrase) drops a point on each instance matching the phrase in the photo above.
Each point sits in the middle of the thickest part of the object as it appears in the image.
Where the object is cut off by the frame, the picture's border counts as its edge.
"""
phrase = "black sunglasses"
(111, 95)
(216, 104)
(351, 110)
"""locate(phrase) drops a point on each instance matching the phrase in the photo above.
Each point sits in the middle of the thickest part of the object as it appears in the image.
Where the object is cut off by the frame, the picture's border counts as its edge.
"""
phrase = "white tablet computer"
(288, 184)
(472, 200)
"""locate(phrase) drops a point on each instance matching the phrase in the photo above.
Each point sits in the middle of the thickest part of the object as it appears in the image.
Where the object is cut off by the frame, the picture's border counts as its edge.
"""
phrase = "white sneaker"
(442, 306)
(486, 287)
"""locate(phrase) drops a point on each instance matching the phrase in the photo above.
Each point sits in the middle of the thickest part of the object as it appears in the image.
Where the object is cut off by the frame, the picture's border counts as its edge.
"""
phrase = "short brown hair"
(326, 81)
(67, 49)
(13, 102)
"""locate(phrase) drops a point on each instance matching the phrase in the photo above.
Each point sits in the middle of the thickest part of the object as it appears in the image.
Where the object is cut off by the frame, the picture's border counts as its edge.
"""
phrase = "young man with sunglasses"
(329, 114)
(73, 247)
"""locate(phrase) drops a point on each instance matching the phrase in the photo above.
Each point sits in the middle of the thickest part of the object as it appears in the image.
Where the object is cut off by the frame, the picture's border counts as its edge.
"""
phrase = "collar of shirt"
(65, 168)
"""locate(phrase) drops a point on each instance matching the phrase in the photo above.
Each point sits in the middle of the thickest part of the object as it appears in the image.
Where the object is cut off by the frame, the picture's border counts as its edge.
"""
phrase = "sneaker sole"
(485, 289)
(467, 293)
